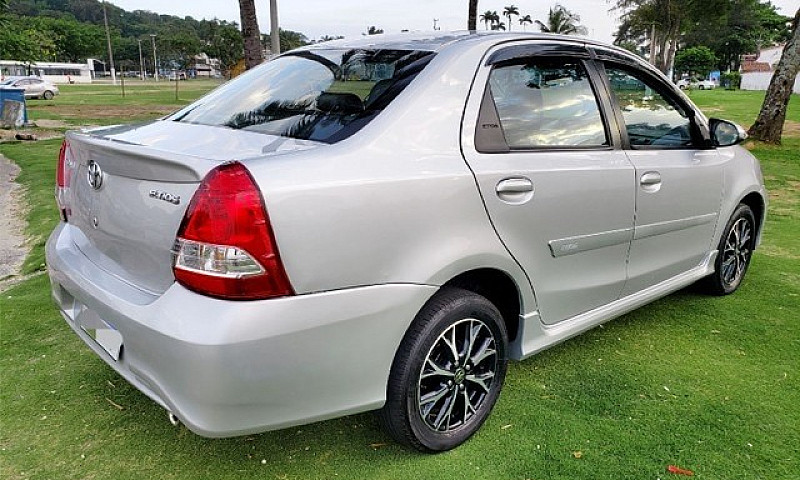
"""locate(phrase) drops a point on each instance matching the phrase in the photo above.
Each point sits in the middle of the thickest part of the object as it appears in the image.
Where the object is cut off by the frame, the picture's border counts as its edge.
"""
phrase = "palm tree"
(560, 20)
(472, 15)
(487, 17)
(499, 26)
(525, 21)
(509, 11)
(253, 54)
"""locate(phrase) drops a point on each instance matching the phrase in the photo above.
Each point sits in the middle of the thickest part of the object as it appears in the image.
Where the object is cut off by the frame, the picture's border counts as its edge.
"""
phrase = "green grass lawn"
(104, 104)
(709, 384)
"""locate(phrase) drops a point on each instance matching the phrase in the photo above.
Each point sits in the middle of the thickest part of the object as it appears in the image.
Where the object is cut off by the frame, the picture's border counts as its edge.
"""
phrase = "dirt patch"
(41, 134)
(791, 129)
(105, 111)
(13, 247)
(44, 123)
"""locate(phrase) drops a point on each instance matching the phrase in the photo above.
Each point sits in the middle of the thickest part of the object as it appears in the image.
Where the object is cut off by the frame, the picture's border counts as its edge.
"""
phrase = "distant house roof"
(752, 66)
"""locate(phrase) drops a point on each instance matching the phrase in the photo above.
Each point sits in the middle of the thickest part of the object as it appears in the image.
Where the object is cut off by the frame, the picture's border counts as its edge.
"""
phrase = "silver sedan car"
(34, 87)
(383, 224)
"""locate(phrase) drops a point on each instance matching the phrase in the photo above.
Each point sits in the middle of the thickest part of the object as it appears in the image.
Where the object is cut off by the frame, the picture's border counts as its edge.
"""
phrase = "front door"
(556, 185)
(678, 184)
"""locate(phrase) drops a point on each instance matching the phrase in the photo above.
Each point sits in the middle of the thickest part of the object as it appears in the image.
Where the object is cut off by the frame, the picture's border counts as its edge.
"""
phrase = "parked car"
(685, 83)
(382, 224)
(34, 87)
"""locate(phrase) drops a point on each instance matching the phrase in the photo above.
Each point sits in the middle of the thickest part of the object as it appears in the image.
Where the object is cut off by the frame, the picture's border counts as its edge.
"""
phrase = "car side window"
(652, 118)
(547, 102)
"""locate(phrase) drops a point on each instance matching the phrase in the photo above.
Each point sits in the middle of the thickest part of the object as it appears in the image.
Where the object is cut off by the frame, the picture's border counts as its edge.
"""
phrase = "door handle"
(514, 185)
(650, 178)
(515, 191)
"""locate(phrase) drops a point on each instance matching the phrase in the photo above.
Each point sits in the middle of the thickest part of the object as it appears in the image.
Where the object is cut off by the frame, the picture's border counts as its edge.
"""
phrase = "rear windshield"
(321, 95)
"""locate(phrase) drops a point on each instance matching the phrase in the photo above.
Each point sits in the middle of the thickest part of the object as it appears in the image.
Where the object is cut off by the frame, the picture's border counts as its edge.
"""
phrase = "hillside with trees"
(72, 31)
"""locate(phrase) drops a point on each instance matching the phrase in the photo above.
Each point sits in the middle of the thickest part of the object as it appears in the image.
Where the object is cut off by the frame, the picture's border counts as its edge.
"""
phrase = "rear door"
(555, 182)
(678, 178)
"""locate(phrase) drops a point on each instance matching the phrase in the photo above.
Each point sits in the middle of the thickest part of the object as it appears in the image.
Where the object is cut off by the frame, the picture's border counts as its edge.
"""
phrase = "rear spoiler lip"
(115, 157)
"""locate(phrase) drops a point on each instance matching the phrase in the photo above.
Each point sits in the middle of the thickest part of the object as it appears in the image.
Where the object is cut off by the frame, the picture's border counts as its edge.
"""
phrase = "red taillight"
(62, 182)
(225, 246)
(61, 177)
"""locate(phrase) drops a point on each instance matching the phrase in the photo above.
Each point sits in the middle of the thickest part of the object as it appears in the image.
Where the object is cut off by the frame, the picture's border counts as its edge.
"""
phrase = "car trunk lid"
(130, 187)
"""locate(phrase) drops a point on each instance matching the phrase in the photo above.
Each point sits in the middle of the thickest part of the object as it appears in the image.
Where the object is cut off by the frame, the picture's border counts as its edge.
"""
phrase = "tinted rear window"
(321, 95)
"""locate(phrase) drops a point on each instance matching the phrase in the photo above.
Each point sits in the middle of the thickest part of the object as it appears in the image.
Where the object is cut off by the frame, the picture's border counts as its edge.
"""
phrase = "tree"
(328, 38)
(373, 30)
(695, 60)
(499, 26)
(472, 15)
(738, 27)
(488, 17)
(253, 53)
(769, 124)
(508, 12)
(560, 20)
(3, 9)
(525, 21)
(289, 39)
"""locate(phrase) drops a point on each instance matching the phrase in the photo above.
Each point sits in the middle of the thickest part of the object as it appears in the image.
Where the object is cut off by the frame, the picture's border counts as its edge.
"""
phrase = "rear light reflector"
(225, 245)
(62, 181)
(217, 260)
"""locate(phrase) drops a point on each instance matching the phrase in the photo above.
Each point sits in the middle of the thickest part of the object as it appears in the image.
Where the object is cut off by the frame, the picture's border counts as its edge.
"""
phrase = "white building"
(757, 70)
(52, 71)
(204, 67)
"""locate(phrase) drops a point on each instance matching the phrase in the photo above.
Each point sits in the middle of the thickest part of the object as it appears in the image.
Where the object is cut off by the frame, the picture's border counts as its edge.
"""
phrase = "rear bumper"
(230, 368)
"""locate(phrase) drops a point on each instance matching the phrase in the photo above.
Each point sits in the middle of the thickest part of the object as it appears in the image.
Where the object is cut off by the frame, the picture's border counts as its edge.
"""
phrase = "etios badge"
(94, 175)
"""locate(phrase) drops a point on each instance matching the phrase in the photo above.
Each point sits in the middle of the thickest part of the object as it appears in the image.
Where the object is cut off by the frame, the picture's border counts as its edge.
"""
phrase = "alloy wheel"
(737, 251)
(457, 375)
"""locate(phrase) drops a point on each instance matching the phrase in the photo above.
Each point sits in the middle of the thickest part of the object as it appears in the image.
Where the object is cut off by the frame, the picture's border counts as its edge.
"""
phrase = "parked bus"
(52, 71)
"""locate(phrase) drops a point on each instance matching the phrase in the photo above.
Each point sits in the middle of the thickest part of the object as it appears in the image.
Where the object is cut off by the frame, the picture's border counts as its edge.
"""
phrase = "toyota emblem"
(95, 175)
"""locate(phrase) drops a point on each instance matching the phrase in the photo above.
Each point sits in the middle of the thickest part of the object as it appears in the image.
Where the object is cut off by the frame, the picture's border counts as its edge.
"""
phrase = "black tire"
(47, 95)
(465, 314)
(733, 260)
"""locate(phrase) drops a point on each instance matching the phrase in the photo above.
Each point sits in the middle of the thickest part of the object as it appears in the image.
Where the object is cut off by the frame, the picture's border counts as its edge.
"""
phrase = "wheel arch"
(499, 288)
(758, 205)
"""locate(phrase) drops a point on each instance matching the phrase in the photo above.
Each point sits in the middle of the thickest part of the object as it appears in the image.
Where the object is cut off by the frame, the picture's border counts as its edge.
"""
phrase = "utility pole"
(274, 31)
(141, 61)
(155, 58)
(110, 53)
(653, 44)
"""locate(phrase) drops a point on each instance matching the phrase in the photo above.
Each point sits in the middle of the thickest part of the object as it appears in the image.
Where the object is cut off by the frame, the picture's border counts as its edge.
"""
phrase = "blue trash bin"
(14, 94)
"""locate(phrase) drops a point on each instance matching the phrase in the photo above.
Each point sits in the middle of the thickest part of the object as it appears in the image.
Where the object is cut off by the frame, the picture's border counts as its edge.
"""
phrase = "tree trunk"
(253, 53)
(472, 16)
(769, 124)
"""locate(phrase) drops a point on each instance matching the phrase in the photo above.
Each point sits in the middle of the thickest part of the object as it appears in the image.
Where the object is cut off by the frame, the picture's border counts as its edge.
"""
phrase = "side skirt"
(536, 336)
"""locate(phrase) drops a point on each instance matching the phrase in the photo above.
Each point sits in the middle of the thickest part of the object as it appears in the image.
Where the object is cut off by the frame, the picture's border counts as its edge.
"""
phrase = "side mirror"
(725, 133)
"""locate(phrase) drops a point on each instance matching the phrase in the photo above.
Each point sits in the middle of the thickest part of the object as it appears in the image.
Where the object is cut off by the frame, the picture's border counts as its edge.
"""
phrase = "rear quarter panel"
(395, 203)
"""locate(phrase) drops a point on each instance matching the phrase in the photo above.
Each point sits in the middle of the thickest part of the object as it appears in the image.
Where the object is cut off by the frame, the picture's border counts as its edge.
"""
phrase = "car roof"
(437, 40)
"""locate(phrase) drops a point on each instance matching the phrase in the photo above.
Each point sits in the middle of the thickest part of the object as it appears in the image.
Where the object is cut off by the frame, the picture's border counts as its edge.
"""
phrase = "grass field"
(709, 384)
(104, 104)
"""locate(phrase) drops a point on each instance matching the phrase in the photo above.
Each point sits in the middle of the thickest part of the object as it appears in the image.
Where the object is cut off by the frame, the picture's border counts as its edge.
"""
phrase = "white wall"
(760, 81)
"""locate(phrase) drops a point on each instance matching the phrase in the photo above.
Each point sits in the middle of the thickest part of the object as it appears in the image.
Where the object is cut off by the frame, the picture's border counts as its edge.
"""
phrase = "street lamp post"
(274, 30)
(155, 57)
(141, 60)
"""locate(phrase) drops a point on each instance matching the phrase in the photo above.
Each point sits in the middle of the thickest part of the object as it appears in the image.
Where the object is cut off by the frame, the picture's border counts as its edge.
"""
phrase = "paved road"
(12, 224)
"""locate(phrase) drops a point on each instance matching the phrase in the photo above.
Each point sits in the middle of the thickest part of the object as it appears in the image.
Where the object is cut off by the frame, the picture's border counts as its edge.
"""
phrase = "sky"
(351, 18)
